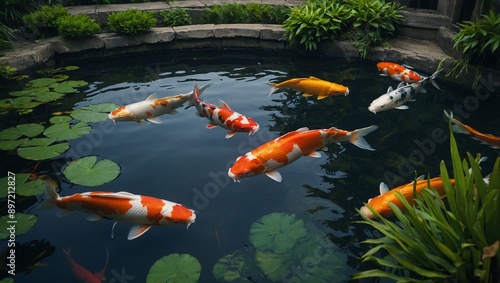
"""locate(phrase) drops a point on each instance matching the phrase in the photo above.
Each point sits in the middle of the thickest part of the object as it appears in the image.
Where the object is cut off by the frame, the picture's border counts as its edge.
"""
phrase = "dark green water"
(182, 161)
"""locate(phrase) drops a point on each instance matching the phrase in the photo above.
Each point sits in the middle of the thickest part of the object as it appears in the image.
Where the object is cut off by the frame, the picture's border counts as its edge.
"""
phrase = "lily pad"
(28, 130)
(232, 267)
(276, 232)
(67, 86)
(272, 265)
(24, 186)
(41, 149)
(47, 96)
(88, 172)
(24, 92)
(63, 131)
(24, 222)
(11, 145)
(181, 268)
(94, 113)
(41, 82)
(60, 119)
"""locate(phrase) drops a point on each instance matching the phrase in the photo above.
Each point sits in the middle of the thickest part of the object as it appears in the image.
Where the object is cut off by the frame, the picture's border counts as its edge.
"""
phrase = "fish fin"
(306, 95)
(383, 188)
(154, 120)
(230, 134)
(223, 104)
(93, 217)
(199, 114)
(152, 97)
(401, 107)
(275, 175)
(314, 154)
(422, 90)
(456, 126)
(433, 82)
(407, 66)
(421, 177)
(383, 75)
(357, 137)
(314, 78)
(172, 112)
(211, 125)
(62, 212)
(389, 89)
(303, 129)
(322, 96)
(273, 88)
(202, 88)
(51, 196)
(324, 148)
(113, 229)
(137, 231)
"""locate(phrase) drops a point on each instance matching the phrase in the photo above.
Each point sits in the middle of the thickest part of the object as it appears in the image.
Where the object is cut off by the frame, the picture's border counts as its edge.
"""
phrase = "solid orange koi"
(459, 127)
(223, 116)
(143, 211)
(311, 86)
(290, 147)
(84, 275)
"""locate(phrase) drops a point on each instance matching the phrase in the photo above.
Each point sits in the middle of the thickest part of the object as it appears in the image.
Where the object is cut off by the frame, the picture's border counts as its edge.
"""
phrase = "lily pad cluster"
(25, 186)
(285, 249)
(180, 268)
(39, 91)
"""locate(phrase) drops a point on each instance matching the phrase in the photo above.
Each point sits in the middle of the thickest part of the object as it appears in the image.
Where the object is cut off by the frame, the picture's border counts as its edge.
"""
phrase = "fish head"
(244, 124)
(384, 102)
(246, 166)
(181, 214)
(121, 114)
(383, 66)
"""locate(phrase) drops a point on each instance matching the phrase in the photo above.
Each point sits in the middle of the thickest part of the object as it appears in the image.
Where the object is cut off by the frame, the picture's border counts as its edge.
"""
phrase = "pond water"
(182, 161)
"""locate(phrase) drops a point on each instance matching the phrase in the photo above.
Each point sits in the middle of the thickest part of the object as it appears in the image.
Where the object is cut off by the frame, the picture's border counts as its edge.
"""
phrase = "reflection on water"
(183, 161)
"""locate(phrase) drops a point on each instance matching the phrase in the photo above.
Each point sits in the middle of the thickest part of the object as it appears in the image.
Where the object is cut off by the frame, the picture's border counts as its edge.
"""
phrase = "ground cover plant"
(77, 26)
(131, 21)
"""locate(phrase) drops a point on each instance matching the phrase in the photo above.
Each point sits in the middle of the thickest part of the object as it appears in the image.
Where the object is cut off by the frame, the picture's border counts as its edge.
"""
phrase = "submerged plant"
(455, 240)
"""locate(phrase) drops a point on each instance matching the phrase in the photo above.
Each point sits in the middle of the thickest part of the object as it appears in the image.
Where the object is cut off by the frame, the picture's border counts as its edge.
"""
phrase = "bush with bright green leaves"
(231, 13)
(44, 21)
(455, 239)
(175, 17)
(77, 26)
(131, 22)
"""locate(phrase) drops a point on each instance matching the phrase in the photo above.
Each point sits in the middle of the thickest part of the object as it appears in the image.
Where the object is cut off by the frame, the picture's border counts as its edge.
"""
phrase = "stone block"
(272, 32)
(444, 41)
(239, 42)
(115, 41)
(42, 53)
(194, 31)
(429, 19)
(237, 30)
(78, 45)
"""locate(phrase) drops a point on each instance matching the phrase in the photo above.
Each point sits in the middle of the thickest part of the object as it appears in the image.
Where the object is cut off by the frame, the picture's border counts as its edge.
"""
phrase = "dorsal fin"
(314, 78)
(152, 97)
(383, 188)
(224, 104)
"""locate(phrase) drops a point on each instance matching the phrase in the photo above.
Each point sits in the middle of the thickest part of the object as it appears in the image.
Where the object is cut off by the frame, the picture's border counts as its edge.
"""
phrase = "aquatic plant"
(24, 223)
(25, 185)
(131, 21)
(87, 171)
(94, 112)
(237, 265)
(77, 26)
(175, 17)
(180, 268)
(435, 240)
(41, 148)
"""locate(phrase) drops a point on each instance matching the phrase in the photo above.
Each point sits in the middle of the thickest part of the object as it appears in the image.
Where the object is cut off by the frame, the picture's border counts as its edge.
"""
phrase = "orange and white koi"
(223, 116)
(143, 211)
(398, 72)
(84, 275)
(381, 203)
(152, 107)
(290, 147)
(311, 86)
(459, 127)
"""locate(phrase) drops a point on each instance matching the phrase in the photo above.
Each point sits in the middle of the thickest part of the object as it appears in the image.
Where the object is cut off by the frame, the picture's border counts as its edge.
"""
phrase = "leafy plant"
(316, 21)
(228, 13)
(88, 171)
(77, 26)
(131, 21)
(175, 17)
(454, 241)
(5, 34)
(44, 21)
(479, 43)
(182, 268)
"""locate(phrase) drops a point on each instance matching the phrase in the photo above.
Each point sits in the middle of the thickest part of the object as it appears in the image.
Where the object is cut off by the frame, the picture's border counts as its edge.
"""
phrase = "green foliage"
(316, 21)
(228, 13)
(12, 11)
(24, 223)
(175, 268)
(7, 71)
(5, 33)
(436, 240)
(88, 171)
(131, 21)
(479, 42)
(44, 21)
(77, 26)
(175, 17)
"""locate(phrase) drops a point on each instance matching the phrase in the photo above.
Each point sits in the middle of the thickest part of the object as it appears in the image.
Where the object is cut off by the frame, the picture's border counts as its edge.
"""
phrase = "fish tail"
(51, 196)
(456, 126)
(436, 73)
(200, 91)
(357, 137)
(273, 88)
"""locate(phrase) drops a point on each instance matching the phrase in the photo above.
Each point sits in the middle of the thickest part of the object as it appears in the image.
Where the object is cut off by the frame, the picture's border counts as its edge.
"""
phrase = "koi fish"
(290, 147)
(461, 128)
(143, 211)
(311, 86)
(83, 274)
(401, 73)
(398, 97)
(152, 107)
(223, 116)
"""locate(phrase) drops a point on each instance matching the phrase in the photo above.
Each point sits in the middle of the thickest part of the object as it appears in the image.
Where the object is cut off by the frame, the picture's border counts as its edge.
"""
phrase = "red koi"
(84, 275)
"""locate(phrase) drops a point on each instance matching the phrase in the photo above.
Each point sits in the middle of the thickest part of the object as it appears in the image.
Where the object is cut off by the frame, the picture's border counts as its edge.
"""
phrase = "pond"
(180, 160)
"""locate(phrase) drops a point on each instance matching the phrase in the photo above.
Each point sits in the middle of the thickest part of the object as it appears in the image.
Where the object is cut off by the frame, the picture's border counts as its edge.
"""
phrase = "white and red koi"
(398, 72)
(311, 86)
(290, 147)
(224, 117)
(84, 275)
(143, 211)
(152, 107)
(459, 127)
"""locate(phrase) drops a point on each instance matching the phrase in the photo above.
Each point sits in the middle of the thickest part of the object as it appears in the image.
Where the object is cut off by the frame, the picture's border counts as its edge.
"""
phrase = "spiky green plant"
(443, 240)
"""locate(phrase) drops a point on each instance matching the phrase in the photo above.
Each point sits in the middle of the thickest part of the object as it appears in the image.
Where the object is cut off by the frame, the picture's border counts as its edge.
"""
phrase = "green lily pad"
(67, 86)
(41, 149)
(18, 101)
(24, 92)
(232, 267)
(24, 222)
(11, 145)
(7, 280)
(60, 119)
(47, 96)
(94, 113)
(181, 268)
(88, 172)
(63, 131)
(272, 265)
(41, 82)
(24, 186)
(28, 130)
(60, 77)
(276, 232)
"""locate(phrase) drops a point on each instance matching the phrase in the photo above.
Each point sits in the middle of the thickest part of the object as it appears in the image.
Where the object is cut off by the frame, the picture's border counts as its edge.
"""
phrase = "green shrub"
(44, 21)
(5, 33)
(479, 42)
(228, 13)
(316, 21)
(175, 17)
(279, 14)
(131, 21)
(443, 240)
(78, 26)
